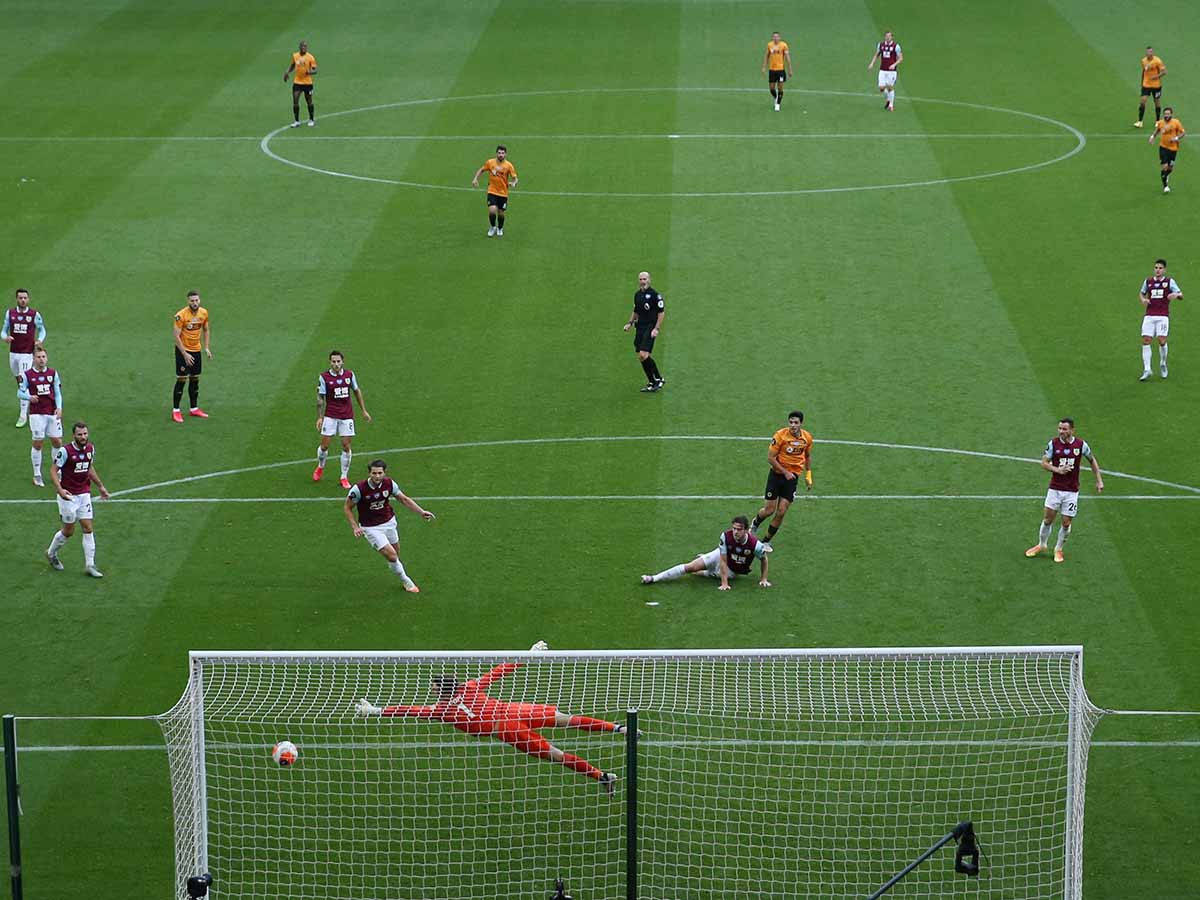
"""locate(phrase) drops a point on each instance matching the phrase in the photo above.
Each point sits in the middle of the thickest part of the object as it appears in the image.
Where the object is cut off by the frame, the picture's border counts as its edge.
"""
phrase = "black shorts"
(182, 368)
(305, 89)
(779, 488)
(1156, 93)
(497, 201)
(643, 340)
(774, 75)
(1166, 157)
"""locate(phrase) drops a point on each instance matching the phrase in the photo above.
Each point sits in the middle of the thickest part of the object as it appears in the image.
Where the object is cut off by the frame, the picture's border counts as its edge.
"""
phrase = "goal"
(761, 773)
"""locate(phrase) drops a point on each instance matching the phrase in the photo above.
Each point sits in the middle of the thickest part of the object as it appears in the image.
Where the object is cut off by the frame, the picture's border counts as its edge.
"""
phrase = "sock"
(346, 455)
(36, 456)
(1157, 112)
(771, 529)
(573, 762)
(194, 393)
(648, 368)
(654, 373)
(311, 111)
(322, 456)
(500, 221)
(758, 520)
(1163, 175)
(1141, 113)
(671, 573)
(1162, 358)
(56, 543)
(891, 95)
(1146, 357)
(296, 110)
(24, 408)
(587, 723)
(89, 549)
(1064, 532)
(398, 568)
(773, 92)
(1043, 534)
(779, 98)
(176, 395)
(492, 219)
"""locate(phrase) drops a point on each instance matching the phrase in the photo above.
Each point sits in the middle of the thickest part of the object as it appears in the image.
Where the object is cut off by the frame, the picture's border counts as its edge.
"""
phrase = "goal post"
(758, 773)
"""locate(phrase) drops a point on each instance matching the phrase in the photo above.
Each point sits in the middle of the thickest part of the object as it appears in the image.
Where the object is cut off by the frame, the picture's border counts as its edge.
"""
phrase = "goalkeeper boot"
(1035, 550)
(609, 780)
(365, 707)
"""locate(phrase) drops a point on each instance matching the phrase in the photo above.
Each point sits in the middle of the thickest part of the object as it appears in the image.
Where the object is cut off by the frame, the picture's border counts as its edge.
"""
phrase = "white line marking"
(615, 136)
(514, 442)
(1080, 143)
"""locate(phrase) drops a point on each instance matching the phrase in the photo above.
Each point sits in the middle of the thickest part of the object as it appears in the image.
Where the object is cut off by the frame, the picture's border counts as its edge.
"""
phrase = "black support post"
(14, 804)
(631, 810)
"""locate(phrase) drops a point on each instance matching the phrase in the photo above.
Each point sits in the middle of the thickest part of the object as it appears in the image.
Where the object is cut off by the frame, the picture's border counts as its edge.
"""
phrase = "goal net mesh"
(760, 774)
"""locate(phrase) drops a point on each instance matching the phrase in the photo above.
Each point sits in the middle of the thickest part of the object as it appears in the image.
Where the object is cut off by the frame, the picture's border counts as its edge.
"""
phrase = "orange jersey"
(775, 55)
(1152, 70)
(1169, 133)
(498, 175)
(304, 63)
(190, 324)
(791, 451)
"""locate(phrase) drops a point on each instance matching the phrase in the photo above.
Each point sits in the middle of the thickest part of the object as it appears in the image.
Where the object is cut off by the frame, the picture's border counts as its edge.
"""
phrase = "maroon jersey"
(1071, 455)
(1157, 288)
(41, 387)
(374, 503)
(75, 467)
(888, 52)
(22, 328)
(337, 394)
(739, 556)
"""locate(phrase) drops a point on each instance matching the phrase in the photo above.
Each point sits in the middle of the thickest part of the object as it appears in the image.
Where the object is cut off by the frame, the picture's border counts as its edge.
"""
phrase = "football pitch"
(934, 287)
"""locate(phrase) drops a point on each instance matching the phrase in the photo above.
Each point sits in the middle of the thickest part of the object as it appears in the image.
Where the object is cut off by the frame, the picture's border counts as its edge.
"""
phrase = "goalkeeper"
(465, 706)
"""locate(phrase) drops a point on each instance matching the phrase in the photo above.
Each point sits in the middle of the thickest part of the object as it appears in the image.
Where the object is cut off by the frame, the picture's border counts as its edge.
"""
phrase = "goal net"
(761, 773)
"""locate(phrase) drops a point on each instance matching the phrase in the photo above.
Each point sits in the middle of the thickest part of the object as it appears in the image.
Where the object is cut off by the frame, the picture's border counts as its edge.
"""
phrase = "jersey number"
(1068, 463)
(341, 393)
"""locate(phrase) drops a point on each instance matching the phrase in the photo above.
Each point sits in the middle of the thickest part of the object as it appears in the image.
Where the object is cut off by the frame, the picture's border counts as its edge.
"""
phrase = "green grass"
(967, 315)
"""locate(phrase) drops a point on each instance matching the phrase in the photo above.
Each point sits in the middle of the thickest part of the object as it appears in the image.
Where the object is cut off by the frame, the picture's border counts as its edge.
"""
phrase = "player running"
(41, 392)
(736, 549)
(1156, 295)
(335, 413)
(890, 56)
(1061, 460)
(73, 473)
(465, 706)
(22, 331)
(1169, 131)
(790, 456)
(775, 58)
(499, 170)
(376, 520)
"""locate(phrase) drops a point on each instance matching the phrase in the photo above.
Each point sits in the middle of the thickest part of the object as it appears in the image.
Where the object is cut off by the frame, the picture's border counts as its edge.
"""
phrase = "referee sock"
(177, 395)
(346, 454)
(89, 549)
(648, 368)
(587, 723)
(194, 393)
(1044, 534)
(56, 543)
(654, 373)
(322, 457)
(36, 455)
(670, 574)
(1064, 532)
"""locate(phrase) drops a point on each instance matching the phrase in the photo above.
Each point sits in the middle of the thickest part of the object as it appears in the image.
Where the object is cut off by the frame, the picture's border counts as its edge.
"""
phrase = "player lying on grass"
(464, 705)
(735, 550)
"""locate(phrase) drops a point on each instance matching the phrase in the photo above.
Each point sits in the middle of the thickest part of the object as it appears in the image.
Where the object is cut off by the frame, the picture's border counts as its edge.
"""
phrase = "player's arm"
(724, 585)
(787, 55)
(40, 328)
(633, 317)
(348, 508)
(1143, 296)
(413, 712)
(187, 356)
(206, 330)
(60, 460)
(766, 57)
(478, 172)
(289, 71)
(411, 503)
(497, 673)
(871, 64)
(1175, 292)
(320, 401)
(1050, 467)
(662, 313)
(762, 571)
(1154, 134)
(57, 398)
(362, 404)
(512, 184)
(1096, 472)
(4, 330)
(776, 465)
(899, 55)
(94, 478)
(23, 388)
(808, 469)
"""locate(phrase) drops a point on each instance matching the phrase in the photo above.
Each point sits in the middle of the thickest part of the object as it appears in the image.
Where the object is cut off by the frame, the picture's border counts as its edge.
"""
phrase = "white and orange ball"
(285, 753)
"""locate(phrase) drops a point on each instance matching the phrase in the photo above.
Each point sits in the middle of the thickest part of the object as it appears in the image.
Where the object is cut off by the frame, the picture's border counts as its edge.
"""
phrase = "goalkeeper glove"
(365, 708)
(539, 646)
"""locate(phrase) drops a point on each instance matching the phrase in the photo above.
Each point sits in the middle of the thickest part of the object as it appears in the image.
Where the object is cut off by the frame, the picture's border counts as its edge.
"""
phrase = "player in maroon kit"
(335, 413)
(735, 550)
(1062, 461)
(23, 331)
(1156, 295)
(890, 56)
(465, 706)
(73, 473)
(42, 391)
(376, 522)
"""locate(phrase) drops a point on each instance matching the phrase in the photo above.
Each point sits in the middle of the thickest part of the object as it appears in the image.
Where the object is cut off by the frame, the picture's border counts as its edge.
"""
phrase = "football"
(285, 753)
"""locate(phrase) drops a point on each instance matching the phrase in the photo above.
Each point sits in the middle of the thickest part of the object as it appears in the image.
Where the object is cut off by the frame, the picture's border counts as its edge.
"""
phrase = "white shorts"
(887, 79)
(78, 507)
(19, 362)
(712, 564)
(340, 427)
(42, 427)
(379, 535)
(1155, 326)
(1065, 502)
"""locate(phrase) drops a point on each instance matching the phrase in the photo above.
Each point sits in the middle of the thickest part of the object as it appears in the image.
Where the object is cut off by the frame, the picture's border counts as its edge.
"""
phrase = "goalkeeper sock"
(89, 549)
(673, 572)
(1064, 532)
(322, 456)
(587, 723)
(56, 543)
(1044, 534)
(346, 454)
(575, 763)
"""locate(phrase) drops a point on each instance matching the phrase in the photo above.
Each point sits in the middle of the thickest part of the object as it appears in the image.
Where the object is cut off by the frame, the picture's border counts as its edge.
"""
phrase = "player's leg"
(1047, 522)
(295, 105)
(194, 393)
(1064, 532)
(529, 741)
(327, 427)
(501, 210)
(1147, 341)
(89, 548)
(492, 211)
(766, 511)
(66, 512)
(694, 567)
(35, 457)
(779, 91)
(1162, 355)
(777, 519)
(1157, 95)
(308, 100)
(1141, 110)
(891, 91)
(346, 432)
(648, 367)
(385, 539)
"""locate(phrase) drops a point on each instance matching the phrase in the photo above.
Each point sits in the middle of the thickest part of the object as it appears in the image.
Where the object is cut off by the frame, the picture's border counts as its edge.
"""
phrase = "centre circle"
(1067, 130)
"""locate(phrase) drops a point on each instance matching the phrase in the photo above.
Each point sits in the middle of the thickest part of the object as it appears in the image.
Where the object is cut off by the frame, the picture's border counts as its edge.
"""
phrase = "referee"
(646, 320)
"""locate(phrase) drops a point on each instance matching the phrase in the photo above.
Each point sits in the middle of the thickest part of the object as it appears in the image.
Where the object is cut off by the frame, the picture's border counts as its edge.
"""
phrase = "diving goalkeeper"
(465, 706)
